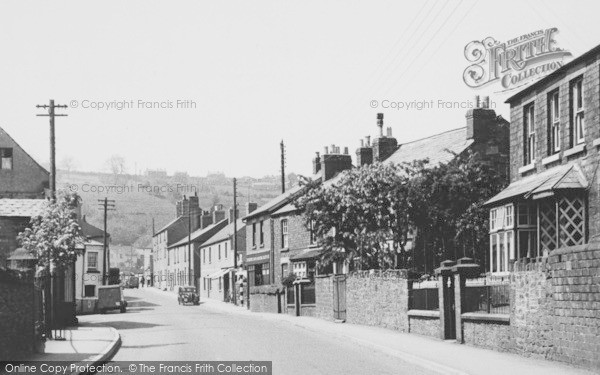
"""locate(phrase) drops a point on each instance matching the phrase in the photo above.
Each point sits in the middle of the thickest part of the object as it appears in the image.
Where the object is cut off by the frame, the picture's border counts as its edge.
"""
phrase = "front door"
(339, 297)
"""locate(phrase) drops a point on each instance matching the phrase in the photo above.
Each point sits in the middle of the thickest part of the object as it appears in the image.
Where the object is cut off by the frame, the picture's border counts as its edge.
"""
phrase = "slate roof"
(168, 225)
(275, 203)
(567, 176)
(439, 148)
(198, 233)
(21, 207)
(90, 231)
(224, 233)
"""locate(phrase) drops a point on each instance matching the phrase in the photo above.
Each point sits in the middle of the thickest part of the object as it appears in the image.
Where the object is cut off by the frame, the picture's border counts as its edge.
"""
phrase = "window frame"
(529, 142)
(262, 232)
(577, 111)
(553, 122)
(285, 240)
(87, 258)
(11, 158)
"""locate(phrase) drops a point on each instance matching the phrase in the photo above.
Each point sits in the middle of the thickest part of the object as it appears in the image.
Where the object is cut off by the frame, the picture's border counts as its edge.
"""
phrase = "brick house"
(218, 274)
(23, 183)
(183, 256)
(553, 200)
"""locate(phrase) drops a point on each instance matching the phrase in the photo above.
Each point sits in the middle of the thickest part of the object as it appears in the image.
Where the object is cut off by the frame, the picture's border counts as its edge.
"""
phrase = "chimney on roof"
(218, 213)
(316, 163)
(251, 207)
(481, 120)
(231, 216)
(383, 146)
(364, 154)
(335, 162)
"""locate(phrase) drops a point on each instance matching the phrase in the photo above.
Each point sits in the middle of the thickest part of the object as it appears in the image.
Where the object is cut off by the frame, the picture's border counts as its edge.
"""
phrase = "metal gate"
(449, 308)
(339, 297)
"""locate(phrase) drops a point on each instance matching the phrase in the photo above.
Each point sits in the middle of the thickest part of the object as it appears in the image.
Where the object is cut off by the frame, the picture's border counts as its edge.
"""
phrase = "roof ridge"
(431, 136)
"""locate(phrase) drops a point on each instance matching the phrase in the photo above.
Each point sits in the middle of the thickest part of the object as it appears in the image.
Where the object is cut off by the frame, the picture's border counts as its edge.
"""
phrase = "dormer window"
(6, 158)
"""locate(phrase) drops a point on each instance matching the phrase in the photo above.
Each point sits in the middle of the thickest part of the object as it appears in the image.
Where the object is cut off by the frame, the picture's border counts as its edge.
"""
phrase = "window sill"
(483, 317)
(285, 250)
(424, 313)
(527, 168)
(551, 159)
(596, 142)
(92, 270)
(574, 150)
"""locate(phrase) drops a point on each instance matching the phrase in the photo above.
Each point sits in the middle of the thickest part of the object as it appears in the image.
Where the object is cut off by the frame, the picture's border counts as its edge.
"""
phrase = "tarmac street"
(156, 328)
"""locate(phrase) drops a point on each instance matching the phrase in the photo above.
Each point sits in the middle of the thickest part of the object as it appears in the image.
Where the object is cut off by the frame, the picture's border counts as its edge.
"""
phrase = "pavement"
(87, 344)
(438, 356)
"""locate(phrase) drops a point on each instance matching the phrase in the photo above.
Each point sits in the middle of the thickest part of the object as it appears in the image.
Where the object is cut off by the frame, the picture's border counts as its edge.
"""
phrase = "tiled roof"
(439, 148)
(90, 231)
(224, 233)
(274, 203)
(21, 207)
(567, 176)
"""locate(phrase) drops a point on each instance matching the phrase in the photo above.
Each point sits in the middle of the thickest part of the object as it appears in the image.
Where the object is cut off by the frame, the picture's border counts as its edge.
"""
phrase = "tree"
(363, 217)
(446, 208)
(54, 236)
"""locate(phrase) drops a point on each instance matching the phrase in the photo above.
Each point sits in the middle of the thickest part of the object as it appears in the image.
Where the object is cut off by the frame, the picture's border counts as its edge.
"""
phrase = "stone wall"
(324, 297)
(265, 302)
(487, 335)
(377, 300)
(16, 319)
(426, 326)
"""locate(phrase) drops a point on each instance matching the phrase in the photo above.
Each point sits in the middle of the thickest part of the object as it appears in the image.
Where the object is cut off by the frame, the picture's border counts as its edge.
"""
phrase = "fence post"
(465, 268)
(444, 274)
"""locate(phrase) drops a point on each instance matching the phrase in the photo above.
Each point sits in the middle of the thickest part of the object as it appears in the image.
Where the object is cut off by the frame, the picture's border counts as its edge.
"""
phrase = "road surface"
(155, 328)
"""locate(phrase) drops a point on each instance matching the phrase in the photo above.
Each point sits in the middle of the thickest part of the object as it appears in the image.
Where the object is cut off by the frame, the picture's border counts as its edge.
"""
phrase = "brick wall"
(555, 310)
(377, 301)
(298, 240)
(425, 326)
(16, 319)
(265, 302)
(589, 158)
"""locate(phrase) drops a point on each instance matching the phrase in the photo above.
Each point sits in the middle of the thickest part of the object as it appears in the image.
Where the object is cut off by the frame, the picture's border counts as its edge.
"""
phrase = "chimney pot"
(380, 123)
(345, 150)
(325, 150)
(477, 101)
(368, 140)
(362, 143)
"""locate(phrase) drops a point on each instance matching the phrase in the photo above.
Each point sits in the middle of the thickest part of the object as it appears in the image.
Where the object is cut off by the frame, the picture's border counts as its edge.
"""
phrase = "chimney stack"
(380, 123)
(335, 162)
(481, 120)
(383, 146)
(317, 163)
(231, 216)
(251, 207)
(364, 154)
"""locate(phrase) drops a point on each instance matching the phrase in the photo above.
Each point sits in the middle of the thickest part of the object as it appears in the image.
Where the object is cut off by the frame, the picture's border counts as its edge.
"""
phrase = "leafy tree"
(366, 216)
(362, 217)
(54, 235)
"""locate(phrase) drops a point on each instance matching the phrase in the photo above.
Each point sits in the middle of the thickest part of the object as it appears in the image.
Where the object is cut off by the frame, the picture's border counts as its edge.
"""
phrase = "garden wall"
(16, 318)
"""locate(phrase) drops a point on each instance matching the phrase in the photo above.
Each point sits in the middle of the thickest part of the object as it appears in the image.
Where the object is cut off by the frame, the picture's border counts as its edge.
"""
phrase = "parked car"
(110, 297)
(132, 282)
(188, 294)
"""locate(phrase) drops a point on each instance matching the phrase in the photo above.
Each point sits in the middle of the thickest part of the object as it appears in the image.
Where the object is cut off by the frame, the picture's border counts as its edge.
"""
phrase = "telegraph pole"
(106, 205)
(51, 114)
(235, 265)
(282, 166)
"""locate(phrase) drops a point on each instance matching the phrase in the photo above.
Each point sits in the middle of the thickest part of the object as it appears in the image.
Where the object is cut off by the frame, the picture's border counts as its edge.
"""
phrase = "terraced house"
(552, 201)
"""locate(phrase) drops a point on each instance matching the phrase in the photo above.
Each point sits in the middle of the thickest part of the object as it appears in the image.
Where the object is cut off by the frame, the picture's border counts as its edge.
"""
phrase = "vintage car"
(110, 297)
(188, 294)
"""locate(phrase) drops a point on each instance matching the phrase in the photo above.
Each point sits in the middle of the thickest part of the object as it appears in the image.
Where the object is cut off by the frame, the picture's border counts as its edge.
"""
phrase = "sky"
(250, 74)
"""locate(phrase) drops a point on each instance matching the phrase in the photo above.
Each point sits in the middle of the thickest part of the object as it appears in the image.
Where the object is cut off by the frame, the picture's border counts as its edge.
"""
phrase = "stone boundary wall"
(324, 297)
(17, 336)
(554, 310)
(377, 300)
(425, 326)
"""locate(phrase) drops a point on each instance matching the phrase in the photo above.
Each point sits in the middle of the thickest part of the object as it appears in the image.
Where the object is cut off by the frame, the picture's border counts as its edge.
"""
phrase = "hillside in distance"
(142, 199)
